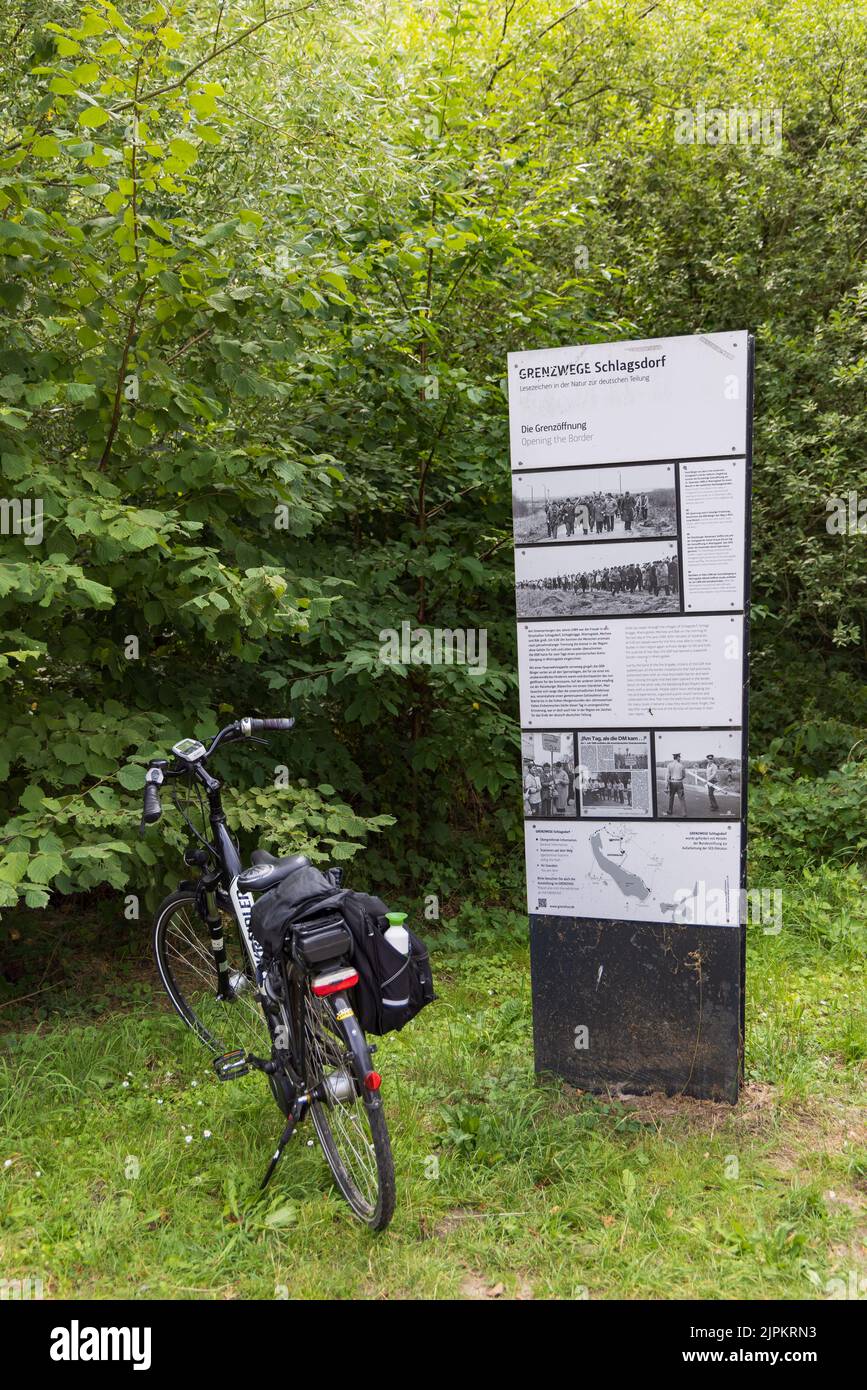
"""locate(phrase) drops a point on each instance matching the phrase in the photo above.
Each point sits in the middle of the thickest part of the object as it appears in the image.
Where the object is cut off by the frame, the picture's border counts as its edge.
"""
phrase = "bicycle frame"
(228, 866)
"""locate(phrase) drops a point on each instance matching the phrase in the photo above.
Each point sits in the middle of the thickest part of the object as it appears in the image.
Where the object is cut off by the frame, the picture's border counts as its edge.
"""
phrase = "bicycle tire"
(181, 948)
(343, 1126)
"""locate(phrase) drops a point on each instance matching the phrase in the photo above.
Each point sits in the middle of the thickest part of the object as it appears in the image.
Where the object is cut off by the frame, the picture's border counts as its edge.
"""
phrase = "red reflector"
(373, 1081)
(332, 984)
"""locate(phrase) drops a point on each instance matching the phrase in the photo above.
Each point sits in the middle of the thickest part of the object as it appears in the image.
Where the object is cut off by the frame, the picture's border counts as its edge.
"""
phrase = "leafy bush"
(255, 321)
(809, 819)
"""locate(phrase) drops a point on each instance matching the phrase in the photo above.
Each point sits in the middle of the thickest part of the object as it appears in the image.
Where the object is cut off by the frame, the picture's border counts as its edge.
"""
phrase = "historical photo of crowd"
(585, 504)
(698, 773)
(548, 762)
(614, 774)
(599, 581)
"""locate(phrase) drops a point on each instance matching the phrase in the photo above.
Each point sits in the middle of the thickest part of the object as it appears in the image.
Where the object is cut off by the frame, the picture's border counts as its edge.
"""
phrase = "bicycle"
(212, 968)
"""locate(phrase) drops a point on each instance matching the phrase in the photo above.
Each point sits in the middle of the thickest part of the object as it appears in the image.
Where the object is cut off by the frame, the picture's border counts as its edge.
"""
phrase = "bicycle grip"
(152, 808)
(273, 725)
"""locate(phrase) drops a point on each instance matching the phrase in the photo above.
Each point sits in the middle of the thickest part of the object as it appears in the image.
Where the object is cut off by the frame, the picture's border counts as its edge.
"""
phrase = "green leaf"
(203, 103)
(132, 776)
(280, 1217)
(46, 147)
(13, 867)
(92, 117)
(13, 231)
(182, 149)
(32, 797)
(44, 867)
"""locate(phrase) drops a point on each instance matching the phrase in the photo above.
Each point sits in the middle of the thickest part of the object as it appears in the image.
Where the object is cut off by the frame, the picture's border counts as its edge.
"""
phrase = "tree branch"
(209, 58)
(121, 376)
(191, 342)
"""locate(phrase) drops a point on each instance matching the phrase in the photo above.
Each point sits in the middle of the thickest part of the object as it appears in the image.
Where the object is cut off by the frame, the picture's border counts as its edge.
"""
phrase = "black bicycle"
(298, 1010)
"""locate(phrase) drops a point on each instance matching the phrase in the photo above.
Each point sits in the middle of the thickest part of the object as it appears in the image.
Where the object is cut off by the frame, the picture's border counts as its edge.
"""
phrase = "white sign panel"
(655, 398)
(627, 673)
(630, 506)
(635, 871)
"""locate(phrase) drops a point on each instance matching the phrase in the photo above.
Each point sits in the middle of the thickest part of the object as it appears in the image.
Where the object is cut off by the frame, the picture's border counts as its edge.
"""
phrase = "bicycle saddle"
(266, 870)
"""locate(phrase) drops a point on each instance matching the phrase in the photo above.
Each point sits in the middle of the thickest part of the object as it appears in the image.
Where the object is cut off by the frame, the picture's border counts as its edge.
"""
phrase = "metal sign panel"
(631, 483)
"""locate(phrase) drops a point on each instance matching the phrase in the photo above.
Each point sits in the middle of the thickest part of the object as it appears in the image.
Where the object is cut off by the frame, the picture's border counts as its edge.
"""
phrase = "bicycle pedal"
(231, 1064)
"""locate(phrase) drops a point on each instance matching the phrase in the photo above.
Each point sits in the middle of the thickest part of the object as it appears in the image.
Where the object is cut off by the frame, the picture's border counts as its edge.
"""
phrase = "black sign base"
(638, 1007)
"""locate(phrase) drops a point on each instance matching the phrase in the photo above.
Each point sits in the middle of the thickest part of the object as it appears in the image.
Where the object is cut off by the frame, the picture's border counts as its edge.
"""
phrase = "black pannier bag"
(300, 911)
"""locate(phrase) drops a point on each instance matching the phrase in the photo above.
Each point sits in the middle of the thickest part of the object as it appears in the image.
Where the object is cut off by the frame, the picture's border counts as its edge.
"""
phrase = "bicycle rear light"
(334, 980)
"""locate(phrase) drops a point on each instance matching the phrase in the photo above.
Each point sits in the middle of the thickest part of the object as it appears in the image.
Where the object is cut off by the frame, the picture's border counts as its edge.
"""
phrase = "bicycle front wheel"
(185, 961)
(348, 1118)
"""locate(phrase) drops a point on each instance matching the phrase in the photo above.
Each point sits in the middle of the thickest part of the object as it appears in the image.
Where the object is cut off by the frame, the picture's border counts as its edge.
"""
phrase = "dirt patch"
(477, 1288)
(755, 1110)
(827, 1129)
(452, 1221)
(809, 1127)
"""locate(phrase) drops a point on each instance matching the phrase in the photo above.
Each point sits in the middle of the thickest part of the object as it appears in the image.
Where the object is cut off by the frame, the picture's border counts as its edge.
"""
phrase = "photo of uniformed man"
(587, 504)
(548, 776)
(698, 773)
(598, 580)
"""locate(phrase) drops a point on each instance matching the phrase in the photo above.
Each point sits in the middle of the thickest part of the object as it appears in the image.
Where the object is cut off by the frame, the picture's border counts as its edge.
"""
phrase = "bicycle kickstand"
(297, 1113)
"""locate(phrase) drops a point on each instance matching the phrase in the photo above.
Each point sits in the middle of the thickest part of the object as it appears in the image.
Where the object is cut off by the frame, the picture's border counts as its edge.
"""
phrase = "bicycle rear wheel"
(348, 1118)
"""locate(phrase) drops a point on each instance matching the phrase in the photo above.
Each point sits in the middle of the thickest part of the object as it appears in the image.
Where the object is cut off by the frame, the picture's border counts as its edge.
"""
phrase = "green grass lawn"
(128, 1170)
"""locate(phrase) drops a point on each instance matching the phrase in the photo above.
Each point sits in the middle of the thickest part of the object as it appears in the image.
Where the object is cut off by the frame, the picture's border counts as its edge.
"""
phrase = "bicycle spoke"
(189, 963)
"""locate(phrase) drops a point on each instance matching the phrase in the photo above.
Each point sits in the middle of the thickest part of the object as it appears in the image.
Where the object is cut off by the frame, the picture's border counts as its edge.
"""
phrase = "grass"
(505, 1187)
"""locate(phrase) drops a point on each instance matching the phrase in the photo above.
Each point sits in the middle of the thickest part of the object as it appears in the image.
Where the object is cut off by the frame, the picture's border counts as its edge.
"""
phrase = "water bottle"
(397, 934)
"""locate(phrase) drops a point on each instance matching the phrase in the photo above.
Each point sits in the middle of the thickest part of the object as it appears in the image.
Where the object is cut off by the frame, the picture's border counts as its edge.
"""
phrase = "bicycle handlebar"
(242, 728)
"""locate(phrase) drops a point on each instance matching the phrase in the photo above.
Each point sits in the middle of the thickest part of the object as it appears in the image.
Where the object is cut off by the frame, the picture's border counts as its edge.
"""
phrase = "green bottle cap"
(395, 919)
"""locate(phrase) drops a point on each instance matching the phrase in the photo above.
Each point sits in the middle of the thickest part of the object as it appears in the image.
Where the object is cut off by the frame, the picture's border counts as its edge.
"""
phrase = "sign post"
(631, 467)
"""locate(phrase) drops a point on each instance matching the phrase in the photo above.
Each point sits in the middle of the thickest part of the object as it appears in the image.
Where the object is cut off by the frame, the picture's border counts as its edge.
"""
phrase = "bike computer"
(189, 750)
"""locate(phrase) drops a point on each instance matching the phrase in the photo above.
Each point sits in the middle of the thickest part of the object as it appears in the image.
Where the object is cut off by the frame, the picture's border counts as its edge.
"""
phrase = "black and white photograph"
(614, 774)
(597, 581)
(698, 773)
(549, 782)
(594, 504)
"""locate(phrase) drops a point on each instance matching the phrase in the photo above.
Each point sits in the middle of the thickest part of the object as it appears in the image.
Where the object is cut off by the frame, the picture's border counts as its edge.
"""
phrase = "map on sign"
(615, 855)
(636, 871)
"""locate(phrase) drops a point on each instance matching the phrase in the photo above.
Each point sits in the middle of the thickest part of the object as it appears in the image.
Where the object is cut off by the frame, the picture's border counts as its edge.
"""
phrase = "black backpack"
(392, 987)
